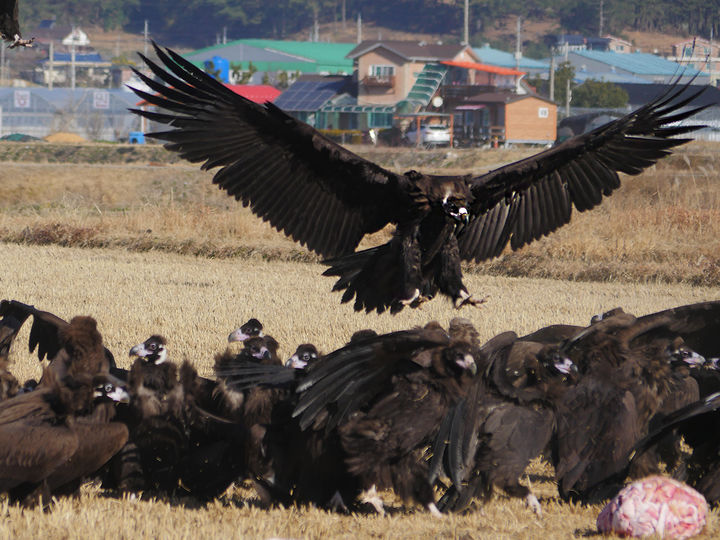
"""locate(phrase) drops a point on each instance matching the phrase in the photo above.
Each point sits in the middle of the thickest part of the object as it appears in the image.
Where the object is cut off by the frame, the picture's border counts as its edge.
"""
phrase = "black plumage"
(385, 397)
(46, 335)
(629, 373)
(507, 419)
(10, 24)
(328, 198)
(155, 419)
(54, 436)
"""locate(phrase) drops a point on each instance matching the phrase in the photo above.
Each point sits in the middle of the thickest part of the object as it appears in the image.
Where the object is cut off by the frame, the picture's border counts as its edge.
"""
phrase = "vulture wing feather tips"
(577, 172)
(327, 198)
(266, 156)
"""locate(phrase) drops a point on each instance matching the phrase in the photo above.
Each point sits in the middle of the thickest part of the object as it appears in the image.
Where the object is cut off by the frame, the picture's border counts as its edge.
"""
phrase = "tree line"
(198, 22)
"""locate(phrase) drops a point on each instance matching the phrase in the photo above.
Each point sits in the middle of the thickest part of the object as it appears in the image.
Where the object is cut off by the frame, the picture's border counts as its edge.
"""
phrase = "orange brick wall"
(523, 123)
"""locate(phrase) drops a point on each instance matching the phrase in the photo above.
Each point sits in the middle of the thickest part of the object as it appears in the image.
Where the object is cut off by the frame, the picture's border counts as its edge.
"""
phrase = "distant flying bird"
(10, 26)
(328, 198)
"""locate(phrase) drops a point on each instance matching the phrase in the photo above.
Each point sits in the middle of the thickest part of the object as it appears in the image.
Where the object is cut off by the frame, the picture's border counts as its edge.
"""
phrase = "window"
(381, 71)
(543, 112)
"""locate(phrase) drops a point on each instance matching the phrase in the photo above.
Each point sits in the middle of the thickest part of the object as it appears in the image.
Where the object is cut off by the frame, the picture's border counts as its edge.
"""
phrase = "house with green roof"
(271, 57)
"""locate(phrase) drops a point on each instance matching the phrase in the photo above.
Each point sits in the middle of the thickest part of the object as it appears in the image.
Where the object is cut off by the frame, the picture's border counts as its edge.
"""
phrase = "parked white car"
(430, 135)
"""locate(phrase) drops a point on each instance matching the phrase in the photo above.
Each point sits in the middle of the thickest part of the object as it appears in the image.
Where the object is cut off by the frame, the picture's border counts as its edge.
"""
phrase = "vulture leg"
(450, 275)
(412, 269)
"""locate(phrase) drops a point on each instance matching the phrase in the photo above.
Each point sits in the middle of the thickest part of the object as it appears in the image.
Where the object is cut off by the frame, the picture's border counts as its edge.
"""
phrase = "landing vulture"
(10, 26)
(328, 198)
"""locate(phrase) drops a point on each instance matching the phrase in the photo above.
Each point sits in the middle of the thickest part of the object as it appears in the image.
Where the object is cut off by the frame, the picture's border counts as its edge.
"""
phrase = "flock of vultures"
(429, 412)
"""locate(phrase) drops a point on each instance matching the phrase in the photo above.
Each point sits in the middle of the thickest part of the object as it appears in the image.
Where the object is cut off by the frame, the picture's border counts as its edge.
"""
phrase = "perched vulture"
(327, 198)
(54, 436)
(155, 418)
(507, 419)
(633, 371)
(385, 397)
(10, 25)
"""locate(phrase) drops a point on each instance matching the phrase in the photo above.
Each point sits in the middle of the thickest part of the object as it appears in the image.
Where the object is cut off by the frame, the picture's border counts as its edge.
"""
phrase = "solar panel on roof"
(308, 95)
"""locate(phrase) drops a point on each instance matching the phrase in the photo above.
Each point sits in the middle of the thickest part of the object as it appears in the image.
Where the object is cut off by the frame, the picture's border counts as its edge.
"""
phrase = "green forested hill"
(191, 21)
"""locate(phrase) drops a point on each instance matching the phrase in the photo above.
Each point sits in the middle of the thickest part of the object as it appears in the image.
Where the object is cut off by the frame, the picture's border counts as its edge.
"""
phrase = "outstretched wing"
(304, 184)
(44, 332)
(698, 325)
(523, 201)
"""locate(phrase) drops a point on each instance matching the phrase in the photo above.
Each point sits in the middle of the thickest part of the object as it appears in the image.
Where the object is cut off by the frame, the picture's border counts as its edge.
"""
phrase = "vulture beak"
(458, 213)
(139, 350)
(262, 354)
(237, 335)
(695, 359)
(296, 362)
(119, 394)
(565, 366)
(468, 362)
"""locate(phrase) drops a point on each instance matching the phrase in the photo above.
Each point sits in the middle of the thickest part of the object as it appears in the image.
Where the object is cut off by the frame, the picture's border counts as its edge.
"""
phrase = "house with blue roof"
(496, 57)
(629, 67)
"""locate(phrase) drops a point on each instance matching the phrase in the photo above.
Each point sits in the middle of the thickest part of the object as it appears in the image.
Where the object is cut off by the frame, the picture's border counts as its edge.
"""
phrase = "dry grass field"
(172, 255)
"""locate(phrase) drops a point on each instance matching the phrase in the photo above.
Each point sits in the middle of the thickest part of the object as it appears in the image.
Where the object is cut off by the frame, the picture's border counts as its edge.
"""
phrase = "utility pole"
(518, 43)
(466, 24)
(602, 18)
(2, 64)
(343, 13)
(145, 37)
(224, 40)
(710, 56)
(568, 97)
(359, 28)
(552, 74)
(51, 65)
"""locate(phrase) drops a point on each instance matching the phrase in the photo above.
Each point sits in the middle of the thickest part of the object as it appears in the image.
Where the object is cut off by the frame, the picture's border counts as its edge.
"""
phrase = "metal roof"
(410, 50)
(639, 63)
(496, 57)
(275, 55)
(259, 93)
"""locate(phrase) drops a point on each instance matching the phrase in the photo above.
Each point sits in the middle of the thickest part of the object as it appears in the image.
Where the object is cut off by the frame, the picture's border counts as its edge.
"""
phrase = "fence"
(95, 114)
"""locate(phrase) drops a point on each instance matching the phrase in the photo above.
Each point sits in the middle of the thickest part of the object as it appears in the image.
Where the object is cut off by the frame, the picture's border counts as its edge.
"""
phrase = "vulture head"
(681, 354)
(256, 349)
(152, 350)
(304, 356)
(107, 388)
(457, 360)
(252, 328)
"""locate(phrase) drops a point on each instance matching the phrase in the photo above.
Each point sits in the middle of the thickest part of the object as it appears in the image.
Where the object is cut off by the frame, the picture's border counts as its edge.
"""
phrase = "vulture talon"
(532, 502)
(467, 299)
(372, 498)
